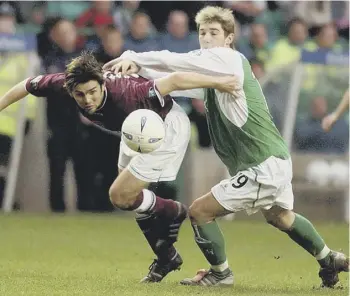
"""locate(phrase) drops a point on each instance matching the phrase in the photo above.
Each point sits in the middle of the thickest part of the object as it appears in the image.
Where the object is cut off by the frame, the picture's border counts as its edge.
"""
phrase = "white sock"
(148, 202)
(323, 254)
(221, 267)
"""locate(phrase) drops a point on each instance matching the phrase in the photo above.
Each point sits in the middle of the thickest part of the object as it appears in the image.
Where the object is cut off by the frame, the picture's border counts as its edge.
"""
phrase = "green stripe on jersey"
(242, 130)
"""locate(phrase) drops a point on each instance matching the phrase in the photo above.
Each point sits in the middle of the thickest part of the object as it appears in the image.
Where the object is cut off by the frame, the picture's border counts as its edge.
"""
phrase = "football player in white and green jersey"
(248, 143)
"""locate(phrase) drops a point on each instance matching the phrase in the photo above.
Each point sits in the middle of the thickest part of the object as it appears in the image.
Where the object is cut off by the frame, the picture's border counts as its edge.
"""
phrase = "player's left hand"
(229, 84)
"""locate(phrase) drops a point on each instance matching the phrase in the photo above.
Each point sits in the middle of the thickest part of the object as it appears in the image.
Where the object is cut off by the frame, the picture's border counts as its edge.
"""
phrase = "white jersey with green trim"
(241, 129)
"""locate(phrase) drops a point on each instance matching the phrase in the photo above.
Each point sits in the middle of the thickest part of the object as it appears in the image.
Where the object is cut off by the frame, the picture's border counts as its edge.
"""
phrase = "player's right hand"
(229, 84)
(125, 67)
(328, 122)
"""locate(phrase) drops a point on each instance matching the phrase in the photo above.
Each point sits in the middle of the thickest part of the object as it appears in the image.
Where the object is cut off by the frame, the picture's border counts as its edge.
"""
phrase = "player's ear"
(229, 40)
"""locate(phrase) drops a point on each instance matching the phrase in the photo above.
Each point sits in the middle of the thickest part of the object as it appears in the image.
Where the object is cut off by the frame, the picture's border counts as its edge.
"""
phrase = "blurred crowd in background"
(271, 34)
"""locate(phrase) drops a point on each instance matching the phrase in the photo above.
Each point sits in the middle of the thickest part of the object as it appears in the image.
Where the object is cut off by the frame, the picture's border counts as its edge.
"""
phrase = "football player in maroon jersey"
(106, 99)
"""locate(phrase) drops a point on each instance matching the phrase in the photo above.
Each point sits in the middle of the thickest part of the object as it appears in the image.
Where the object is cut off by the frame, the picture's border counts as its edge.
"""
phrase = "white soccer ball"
(143, 131)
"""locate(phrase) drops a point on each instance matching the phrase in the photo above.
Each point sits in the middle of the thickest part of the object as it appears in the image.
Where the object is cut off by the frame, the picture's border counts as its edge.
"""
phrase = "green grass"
(107, 255)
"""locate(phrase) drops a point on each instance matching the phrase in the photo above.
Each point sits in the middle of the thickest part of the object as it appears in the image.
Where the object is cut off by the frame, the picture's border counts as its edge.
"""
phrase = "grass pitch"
(107, 255)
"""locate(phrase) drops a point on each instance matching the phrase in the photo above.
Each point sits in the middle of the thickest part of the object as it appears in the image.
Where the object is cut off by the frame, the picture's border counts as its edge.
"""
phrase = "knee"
(198, 214)
(282, 220)
(272, 220)
(121, 197)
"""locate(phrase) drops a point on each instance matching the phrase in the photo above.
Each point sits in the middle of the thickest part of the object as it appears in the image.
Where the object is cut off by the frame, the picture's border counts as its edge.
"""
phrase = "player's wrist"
(218, 83)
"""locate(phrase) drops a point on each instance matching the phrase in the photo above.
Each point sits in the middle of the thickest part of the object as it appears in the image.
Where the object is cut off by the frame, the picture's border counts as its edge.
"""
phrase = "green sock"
(306, 236)
(210, 240)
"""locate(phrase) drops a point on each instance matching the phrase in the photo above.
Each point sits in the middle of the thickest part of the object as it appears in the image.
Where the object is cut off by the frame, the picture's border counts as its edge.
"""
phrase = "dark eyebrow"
(91, 89)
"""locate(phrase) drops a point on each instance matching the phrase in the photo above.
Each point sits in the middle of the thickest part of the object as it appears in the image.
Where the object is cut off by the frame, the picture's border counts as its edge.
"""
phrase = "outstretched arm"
(331, 119)
(216, 61)
(343, 105)
(39, 86)
(187, 80)
(15, 94)
(195, 93)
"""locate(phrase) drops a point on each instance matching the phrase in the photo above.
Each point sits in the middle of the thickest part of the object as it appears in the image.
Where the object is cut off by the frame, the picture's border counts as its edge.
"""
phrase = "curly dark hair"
(81, 70)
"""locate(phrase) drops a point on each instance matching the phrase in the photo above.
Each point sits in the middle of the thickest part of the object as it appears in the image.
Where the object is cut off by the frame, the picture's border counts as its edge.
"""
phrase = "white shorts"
(164, 163)
(260, 187)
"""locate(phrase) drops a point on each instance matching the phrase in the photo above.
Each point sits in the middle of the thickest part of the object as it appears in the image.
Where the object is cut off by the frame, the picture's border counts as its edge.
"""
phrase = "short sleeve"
(146, 90)
(46, 85)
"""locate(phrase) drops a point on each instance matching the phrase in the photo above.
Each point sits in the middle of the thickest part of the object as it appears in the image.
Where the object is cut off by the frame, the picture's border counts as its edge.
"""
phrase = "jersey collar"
(103, 101)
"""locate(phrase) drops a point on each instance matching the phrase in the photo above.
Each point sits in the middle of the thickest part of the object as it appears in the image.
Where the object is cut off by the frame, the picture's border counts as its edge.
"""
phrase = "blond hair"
(223, 16)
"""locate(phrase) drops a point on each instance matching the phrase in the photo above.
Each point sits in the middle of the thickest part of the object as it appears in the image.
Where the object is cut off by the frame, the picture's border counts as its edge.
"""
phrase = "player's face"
(213, 35)
(89, 95)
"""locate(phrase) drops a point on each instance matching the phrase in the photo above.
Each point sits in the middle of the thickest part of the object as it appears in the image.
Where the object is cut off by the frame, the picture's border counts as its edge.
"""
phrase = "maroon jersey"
(123, 96)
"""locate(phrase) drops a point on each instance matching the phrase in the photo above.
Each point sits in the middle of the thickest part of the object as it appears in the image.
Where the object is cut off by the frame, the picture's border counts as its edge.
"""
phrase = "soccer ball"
(143, 131)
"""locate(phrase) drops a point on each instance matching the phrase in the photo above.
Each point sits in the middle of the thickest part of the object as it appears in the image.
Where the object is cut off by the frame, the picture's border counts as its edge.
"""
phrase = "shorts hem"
(220, 202)
(141, 177)
(121, 167)
(254, 210)
(284, 206)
